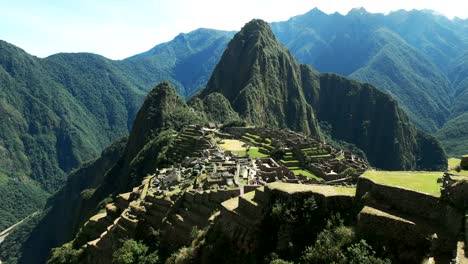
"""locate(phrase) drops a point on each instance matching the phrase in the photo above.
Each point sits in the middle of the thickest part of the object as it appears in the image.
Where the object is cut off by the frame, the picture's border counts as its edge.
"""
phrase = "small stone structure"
(455, 190)
(318, 157)
(464, 162)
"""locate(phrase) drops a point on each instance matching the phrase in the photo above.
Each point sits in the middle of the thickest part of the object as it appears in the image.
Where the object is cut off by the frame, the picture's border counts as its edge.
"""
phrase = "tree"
(134, 252)
(362, 253)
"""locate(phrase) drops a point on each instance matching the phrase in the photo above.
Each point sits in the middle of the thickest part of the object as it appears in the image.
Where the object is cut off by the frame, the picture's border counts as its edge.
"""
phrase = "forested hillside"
(418, 57)
(61, 111)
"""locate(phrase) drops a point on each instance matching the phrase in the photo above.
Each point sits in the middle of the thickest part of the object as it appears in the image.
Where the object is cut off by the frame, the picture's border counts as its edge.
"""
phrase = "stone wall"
(414, 203)
(326, 201)
(392, 228)
(464, 162)
(455, 191)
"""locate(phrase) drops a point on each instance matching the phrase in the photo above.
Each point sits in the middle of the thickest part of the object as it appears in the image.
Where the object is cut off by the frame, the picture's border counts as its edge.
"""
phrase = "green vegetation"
(19, 199)
(357, 113)
(134, 252)
(255, 153)
(266, 83)
(61, 212)
(61, 111)
(10, 248)
(453, 135)
(338, 244)
(415, 66)
(66, 255)
(334, 242)
(452, 165)
(305, 173)
(420, 181)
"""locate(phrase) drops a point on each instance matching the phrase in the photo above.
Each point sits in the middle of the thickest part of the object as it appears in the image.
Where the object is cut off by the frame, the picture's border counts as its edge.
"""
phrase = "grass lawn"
(420, 181)
(452, 163)
(233, 145)
(325, 190)
(306, 173)
(254, 153)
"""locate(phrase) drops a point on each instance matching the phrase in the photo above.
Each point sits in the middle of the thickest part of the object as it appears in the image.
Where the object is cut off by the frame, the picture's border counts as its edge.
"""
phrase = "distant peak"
(315, 10)
(358, 11)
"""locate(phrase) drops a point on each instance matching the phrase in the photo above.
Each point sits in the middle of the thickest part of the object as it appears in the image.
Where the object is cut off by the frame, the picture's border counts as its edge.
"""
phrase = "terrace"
(419, 181)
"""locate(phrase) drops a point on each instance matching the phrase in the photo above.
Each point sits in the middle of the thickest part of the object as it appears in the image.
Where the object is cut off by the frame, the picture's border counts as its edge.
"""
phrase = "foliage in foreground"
(134, 252)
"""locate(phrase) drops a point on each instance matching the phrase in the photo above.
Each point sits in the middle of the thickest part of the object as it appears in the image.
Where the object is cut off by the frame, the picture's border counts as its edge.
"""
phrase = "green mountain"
(453, 135)
(119, 168)
(416, 56)
(61, 111)
(267, 87)
(291, 90)
(262, 81)
(187, 61)
(50, 127)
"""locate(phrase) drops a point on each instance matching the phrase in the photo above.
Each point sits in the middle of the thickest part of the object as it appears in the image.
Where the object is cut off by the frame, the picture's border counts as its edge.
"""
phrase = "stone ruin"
(464, 162)
(334, 166)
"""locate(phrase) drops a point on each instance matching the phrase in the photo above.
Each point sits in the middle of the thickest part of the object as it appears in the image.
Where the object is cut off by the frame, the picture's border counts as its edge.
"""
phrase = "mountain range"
(63, 110)
(256, 81)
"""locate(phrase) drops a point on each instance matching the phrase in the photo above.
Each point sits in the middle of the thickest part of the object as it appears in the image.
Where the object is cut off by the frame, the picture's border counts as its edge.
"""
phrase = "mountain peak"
(262, 81)
(315, 11)
(256, 28)
(358, 11)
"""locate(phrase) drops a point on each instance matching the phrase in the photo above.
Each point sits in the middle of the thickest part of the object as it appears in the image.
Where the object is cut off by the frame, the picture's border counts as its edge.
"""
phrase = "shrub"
(65, 254)
(362, 253)
(185, 255)
(134, 252)
(280, 261)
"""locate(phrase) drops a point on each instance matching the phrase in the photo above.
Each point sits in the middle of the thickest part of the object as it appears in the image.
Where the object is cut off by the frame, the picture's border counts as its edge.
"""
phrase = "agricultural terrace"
(292, 162)
(240, 148)
(452, 163)
(317, 153)
(263, 146)
(420, 181)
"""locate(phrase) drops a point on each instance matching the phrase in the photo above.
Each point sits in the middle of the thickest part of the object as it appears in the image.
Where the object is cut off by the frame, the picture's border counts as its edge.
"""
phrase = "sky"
(121, 28)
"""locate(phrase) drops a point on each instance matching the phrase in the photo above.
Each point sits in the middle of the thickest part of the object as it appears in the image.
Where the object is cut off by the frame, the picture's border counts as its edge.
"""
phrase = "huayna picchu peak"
(267, 87)
(238, 154)
(262, 81)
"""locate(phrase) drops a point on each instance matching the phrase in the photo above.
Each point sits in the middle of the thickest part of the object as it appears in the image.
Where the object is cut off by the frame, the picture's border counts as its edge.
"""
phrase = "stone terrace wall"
(326, 202)
(414, 203)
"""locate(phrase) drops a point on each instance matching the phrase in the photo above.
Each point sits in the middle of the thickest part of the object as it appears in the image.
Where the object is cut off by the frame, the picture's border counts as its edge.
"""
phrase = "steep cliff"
(267, 87)
(262, 81)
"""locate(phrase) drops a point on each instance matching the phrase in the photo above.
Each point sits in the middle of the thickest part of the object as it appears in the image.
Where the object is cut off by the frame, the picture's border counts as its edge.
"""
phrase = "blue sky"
(118, 29)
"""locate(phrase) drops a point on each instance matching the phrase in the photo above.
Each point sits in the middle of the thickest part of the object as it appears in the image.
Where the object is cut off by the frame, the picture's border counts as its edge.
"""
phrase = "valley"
(326, 138)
